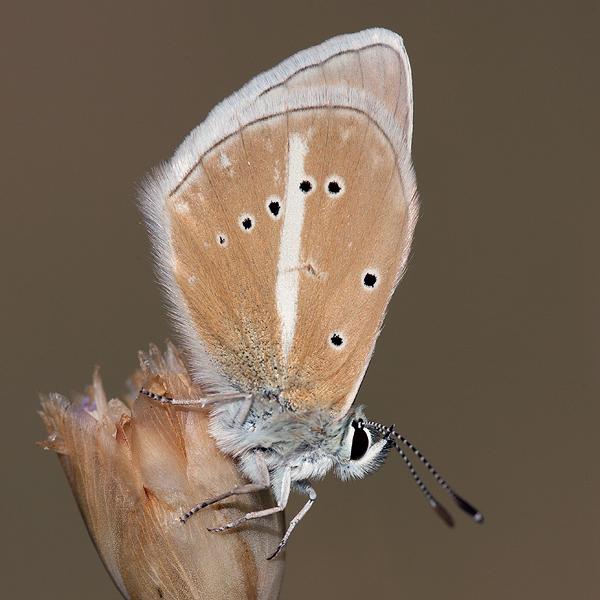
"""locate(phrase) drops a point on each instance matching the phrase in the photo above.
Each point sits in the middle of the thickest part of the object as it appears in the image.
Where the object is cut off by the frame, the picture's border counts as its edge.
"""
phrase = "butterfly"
(280, 229)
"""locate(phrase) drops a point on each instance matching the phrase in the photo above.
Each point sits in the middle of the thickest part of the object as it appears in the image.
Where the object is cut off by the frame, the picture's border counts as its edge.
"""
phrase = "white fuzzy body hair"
(305, 444)
(309, 443)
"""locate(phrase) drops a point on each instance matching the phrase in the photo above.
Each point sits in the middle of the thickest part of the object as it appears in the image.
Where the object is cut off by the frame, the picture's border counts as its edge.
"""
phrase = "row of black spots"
(334, 186)
(274, 208)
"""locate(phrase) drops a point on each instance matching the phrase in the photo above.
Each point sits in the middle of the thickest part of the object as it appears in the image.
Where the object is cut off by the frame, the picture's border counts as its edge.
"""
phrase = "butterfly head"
(363, 449)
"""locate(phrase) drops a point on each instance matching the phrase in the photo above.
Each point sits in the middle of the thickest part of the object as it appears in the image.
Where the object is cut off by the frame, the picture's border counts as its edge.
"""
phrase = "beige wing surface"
(283, 223)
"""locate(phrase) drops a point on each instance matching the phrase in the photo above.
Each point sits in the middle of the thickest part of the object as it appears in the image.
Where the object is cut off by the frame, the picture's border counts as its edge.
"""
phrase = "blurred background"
(488, 361)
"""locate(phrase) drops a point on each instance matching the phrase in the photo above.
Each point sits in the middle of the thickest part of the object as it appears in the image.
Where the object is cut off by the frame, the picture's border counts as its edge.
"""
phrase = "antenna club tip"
(442, 512)
(469, 509)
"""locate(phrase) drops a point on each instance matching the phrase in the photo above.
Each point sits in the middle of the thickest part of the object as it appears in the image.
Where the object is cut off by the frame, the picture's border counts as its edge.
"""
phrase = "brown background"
(488, 361)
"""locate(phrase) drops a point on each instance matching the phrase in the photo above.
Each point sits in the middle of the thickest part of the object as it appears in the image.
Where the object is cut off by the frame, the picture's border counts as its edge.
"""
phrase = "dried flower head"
(136, 466)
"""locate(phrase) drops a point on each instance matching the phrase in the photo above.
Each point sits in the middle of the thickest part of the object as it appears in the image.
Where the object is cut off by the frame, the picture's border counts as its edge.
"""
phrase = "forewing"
(283, 223)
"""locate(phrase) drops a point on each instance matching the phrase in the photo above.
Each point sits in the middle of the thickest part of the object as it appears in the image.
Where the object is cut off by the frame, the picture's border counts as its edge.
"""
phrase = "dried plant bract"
(136, 466)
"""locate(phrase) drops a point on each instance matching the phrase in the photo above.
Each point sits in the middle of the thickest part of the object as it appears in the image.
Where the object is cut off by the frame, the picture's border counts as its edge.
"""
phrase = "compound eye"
(360, 441)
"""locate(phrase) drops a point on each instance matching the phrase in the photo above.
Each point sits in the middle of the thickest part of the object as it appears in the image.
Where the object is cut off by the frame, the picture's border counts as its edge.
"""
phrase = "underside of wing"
(283, 223)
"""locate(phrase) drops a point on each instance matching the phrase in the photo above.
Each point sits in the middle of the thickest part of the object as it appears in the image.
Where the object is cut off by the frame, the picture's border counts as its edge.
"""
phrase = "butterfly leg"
(282, 497)
(244, 409)
(303, 487)
(201, 402)
(249, 488)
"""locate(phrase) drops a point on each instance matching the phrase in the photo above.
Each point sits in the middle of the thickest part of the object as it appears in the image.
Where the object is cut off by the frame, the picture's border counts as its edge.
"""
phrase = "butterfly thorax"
(307, 444)
(308, 441)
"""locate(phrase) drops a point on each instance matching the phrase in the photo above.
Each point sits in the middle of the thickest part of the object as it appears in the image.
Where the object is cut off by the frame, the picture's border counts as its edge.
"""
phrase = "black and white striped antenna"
(387, 433)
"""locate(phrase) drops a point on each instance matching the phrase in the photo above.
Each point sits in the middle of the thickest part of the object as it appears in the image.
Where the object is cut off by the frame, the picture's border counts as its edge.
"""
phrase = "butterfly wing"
(283, 223)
